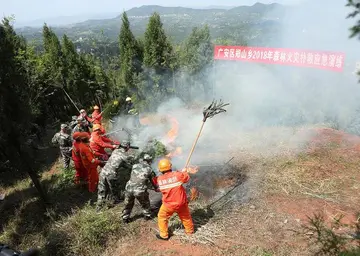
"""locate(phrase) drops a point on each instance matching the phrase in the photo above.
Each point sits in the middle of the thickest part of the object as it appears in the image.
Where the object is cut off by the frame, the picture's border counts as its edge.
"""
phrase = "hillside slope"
(179, 21)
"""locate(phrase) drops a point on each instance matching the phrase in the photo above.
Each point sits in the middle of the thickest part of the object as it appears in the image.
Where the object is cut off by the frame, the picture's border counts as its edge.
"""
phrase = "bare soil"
(285, 192)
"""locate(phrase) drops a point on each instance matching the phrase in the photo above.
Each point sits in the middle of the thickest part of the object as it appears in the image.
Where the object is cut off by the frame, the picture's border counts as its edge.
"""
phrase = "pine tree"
(130, 54)
(197, 50)
(15, 115)
(157, 48)
(355, 30)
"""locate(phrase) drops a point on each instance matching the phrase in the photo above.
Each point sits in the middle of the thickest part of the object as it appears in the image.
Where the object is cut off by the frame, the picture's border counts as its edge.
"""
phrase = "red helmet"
(76, 135)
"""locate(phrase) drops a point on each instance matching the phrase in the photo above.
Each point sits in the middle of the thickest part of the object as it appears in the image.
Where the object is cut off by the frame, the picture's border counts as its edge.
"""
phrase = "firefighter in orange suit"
(174, 198)
(96, 116)
(90, 162)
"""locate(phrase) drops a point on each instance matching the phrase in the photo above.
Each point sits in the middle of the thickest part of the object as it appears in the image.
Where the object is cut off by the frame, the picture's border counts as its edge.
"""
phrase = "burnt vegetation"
(47, 210)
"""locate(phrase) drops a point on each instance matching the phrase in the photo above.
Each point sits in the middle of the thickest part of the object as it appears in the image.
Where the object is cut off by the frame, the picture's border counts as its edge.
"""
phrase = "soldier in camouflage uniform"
(81, 126)
(136, 188)
(114, 175)
(64, 140)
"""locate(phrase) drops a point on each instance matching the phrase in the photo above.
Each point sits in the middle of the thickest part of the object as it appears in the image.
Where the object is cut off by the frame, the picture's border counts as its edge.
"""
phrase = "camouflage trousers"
(66, 157)
(109, 188)
(142, 197)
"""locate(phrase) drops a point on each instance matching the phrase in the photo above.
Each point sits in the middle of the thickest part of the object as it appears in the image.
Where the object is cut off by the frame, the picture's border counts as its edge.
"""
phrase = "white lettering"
(238, 53)
(283, 56)
(276, 56)
(220, 51)
(332, 59)
(270, 55)
(317, 59)
(290, 55)
(296, 57)
(243, 54)
(232, 53)
(250, 54)
(324, 60)
(226, 53)
(258, 55)
(310, 58)
(339, 61)
(303, 58)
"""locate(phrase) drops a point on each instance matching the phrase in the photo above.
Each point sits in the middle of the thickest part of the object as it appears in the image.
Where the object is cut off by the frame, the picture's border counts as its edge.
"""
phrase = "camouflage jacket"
(63, 139)
(80, 128)
(141, 177)
(118, 161)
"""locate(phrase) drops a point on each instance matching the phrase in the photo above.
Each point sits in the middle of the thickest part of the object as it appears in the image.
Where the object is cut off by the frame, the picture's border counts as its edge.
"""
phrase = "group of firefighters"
(121, 175)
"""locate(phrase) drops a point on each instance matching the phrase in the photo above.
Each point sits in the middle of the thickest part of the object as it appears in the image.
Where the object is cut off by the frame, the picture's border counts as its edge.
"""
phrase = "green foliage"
(155, 149)
(130, 54)
(355, 30)
(65, 178)
(87, 233)
(157, 50)
(328, 241)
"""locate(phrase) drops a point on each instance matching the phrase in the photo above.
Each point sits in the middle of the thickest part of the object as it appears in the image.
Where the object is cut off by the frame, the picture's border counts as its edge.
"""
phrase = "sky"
(28, 10)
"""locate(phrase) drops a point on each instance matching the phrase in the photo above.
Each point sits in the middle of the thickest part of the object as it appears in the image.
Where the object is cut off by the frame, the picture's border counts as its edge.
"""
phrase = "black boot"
(161, 238)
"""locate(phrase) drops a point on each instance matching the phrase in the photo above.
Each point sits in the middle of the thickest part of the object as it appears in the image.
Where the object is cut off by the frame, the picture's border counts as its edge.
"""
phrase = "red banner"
(283, 56)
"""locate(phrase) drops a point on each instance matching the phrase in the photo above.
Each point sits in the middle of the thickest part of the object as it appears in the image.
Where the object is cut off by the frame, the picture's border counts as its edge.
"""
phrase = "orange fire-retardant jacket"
(76, 152)
(96, 117)
(106, 138)
(87, 156)
(170, 185)
(98, 145)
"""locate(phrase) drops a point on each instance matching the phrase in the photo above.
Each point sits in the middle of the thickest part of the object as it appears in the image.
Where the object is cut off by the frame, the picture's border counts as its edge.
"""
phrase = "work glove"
(115, 146)
(102, 163)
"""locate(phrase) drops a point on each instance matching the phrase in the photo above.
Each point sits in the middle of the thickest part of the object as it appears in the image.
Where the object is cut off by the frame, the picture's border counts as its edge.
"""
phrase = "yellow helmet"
(96, 127)
(96, 107)
(164, 165)
(128, 99)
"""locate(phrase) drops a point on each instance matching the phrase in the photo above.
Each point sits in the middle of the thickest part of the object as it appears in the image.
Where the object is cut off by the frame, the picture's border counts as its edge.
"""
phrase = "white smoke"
(269, 103)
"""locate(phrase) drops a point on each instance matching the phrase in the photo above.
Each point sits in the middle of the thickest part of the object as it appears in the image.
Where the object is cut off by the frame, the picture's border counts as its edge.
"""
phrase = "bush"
(87, 233)
(331, 243)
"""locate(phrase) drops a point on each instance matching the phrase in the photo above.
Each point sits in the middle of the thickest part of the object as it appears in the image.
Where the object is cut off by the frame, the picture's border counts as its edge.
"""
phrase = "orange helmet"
(96, 107)
(96, 127)
(164, 165)
(76, 135)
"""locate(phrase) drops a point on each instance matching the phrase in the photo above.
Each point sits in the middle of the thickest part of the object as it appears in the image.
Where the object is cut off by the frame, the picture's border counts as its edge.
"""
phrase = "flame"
(193, 169)
(173, 133)
(145, 121)
(194, 194)
(176, 152)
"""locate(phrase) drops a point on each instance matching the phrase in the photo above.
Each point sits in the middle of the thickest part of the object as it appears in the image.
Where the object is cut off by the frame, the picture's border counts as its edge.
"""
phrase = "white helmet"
(128, 99)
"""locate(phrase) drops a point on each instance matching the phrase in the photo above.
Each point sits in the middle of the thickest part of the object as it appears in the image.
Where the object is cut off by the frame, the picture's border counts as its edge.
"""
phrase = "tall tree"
(157, 48)
(130, 54)
(196, 55)
(15, 114)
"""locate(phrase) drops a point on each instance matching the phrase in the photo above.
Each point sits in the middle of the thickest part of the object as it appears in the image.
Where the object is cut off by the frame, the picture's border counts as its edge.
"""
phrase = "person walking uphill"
(63, 138)
(174, 198)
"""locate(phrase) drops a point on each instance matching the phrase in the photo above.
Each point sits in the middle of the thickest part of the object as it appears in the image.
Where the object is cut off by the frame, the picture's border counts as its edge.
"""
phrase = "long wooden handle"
(193, 146)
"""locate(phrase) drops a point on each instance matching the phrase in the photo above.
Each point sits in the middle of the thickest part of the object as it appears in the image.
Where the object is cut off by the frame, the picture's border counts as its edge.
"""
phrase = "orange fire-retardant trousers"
(81, 173)
(184, 215)
(93, 178)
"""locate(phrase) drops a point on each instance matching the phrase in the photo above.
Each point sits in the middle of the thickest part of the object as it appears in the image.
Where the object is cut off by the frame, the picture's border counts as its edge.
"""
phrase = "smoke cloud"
(269, 103)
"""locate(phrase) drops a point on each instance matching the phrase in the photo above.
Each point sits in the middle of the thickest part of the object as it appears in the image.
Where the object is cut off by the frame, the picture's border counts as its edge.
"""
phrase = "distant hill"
(234, 23)
(63, 20)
